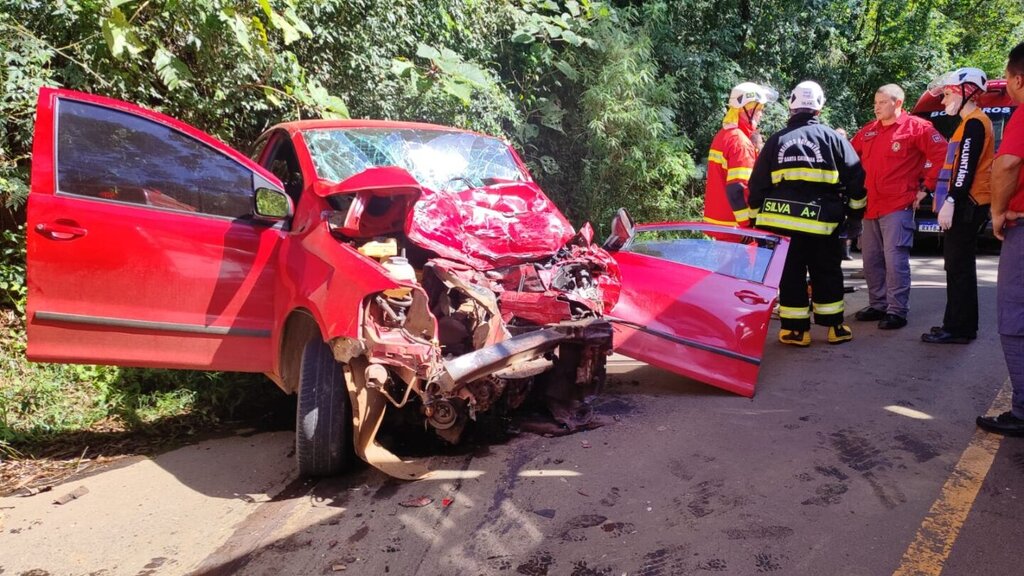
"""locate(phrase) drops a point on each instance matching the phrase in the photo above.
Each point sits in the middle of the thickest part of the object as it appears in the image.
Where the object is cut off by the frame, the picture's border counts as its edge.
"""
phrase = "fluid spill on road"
(827, 495)
(537, 565)
(574, 527)
(921, 450)
(663, 562)
(759, 533)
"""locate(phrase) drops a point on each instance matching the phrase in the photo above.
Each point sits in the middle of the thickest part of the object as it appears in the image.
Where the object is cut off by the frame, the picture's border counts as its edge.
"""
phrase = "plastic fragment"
(446, 502)
(417, 502)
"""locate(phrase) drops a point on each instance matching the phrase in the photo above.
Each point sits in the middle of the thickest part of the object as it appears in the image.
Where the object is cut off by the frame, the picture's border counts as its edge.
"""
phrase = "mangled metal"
(478, 325)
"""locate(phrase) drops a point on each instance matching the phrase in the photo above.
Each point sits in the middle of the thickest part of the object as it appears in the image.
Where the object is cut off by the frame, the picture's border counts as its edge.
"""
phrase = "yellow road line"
(928, 552)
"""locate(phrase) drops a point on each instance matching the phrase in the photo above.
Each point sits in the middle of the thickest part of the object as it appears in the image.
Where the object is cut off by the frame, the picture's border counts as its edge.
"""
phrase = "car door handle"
(60, 231)
(749, 297)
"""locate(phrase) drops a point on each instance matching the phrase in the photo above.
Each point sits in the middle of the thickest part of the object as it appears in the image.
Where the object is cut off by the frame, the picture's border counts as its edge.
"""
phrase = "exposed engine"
(458, 342)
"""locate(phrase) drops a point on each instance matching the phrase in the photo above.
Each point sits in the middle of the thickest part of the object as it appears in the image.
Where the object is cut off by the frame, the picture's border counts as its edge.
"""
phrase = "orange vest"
(981, 187)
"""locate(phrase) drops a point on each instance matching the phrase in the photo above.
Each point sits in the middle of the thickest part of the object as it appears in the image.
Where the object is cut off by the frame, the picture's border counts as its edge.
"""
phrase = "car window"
(284, 164)
(999, 121)
(437, 159)
(729, 254)
(946, 125)
(105, 153)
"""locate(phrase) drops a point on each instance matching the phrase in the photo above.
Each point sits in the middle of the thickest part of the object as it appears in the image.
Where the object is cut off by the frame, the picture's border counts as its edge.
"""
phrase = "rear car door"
(143, 248)
(697, 299)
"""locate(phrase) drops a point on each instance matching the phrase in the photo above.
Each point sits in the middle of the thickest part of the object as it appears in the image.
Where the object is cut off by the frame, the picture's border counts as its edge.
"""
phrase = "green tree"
(226, 67)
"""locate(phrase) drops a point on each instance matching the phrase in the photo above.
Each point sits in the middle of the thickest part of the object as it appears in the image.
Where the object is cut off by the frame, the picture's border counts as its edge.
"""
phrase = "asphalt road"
(860, 459)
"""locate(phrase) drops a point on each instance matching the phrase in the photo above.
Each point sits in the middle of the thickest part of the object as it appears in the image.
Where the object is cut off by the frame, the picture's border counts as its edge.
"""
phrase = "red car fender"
(331, 279)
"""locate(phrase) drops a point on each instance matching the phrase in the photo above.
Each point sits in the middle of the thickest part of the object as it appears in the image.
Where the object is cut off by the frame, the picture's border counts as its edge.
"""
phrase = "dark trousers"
(959, 250)
(819, 256)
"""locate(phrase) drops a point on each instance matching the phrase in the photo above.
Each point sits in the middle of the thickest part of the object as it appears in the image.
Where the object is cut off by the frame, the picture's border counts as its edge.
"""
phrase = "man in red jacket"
(732, 156)
(897, 150)
(1008, 226)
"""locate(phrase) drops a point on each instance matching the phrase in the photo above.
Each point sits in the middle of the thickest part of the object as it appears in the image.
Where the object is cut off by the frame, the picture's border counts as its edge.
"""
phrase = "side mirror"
(622, 230)
(273, 205)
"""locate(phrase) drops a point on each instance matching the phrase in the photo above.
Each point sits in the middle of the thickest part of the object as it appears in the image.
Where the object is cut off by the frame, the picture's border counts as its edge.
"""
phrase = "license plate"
(931, 226)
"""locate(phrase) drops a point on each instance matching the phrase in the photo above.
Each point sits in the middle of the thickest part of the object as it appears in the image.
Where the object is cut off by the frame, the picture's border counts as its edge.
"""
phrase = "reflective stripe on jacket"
(730, 162)
(806, 179)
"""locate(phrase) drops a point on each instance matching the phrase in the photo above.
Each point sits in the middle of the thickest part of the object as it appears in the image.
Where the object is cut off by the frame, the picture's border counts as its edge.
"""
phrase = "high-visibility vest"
(981, 186)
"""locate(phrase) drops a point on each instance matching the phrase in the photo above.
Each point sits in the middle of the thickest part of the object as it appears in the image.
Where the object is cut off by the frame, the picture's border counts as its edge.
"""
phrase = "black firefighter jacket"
(806, 180)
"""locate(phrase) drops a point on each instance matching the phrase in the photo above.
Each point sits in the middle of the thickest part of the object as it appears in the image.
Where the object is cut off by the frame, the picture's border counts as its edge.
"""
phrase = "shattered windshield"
(437, 159)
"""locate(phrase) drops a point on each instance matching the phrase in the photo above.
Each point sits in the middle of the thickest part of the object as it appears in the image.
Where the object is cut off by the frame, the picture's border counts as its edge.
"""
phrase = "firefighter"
(805, 182)
(732, 156)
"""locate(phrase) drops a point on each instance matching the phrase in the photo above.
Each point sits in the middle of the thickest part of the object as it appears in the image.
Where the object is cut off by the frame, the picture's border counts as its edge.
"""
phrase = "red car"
(366, 266)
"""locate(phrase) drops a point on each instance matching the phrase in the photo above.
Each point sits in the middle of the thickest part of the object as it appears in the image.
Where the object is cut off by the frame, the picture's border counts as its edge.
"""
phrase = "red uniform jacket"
(1013, 144)
(895, 159)
(729, 164)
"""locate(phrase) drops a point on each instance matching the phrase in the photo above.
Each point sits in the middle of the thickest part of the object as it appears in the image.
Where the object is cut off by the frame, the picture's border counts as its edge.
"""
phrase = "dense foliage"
(611, 102)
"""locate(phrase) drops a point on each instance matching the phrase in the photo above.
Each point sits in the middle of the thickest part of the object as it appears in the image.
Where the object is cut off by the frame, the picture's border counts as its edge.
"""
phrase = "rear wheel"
(323, 424)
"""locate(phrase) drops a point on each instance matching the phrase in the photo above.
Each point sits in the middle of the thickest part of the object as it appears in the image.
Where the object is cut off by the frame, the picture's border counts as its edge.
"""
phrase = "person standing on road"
(1007, 207)
(898, 151)
(963, 192)
(849, 230)
(732, 156)
(797, 189)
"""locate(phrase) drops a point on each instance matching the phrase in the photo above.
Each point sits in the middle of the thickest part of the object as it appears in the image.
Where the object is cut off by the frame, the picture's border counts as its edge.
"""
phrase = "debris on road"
(545, 513)
(585, 443)
(33, 491)
(417, 502)
(73, 495)
(446, 502)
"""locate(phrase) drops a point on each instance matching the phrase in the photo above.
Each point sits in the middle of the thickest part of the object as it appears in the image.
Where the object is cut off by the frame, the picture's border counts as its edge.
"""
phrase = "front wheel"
(323, 423)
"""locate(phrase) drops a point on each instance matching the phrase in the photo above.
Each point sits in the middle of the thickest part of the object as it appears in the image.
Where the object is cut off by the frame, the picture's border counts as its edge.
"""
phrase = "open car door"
(696, 298)
(146, 243)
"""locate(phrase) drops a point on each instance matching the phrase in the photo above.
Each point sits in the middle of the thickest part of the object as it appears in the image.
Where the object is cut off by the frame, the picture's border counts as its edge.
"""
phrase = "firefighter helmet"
(959, 78)
(748, 92)
(807, 96)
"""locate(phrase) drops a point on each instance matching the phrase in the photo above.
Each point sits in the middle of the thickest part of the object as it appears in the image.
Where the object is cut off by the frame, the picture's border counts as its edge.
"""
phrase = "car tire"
(323, 423)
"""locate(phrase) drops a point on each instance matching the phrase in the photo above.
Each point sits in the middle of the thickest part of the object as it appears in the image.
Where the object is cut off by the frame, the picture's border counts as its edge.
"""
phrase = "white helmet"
(807, 96)
(747, 92)
(959, 77)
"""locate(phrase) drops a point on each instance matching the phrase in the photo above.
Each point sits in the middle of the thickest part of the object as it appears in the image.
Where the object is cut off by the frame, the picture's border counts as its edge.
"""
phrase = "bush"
(12, 269)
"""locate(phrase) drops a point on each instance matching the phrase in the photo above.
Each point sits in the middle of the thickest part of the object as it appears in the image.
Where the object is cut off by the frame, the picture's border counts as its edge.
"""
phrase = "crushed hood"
(489, 227)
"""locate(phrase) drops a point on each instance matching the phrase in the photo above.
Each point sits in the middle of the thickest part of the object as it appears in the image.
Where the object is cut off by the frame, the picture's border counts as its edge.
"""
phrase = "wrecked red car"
(366, 266)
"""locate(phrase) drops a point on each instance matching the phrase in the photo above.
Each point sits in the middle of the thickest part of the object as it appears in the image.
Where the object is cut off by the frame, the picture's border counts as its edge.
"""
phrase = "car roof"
(302, 125)
(995, 95)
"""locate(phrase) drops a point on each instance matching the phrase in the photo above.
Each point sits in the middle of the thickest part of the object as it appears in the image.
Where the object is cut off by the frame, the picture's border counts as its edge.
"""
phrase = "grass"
(40, 403)
(43, 406)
